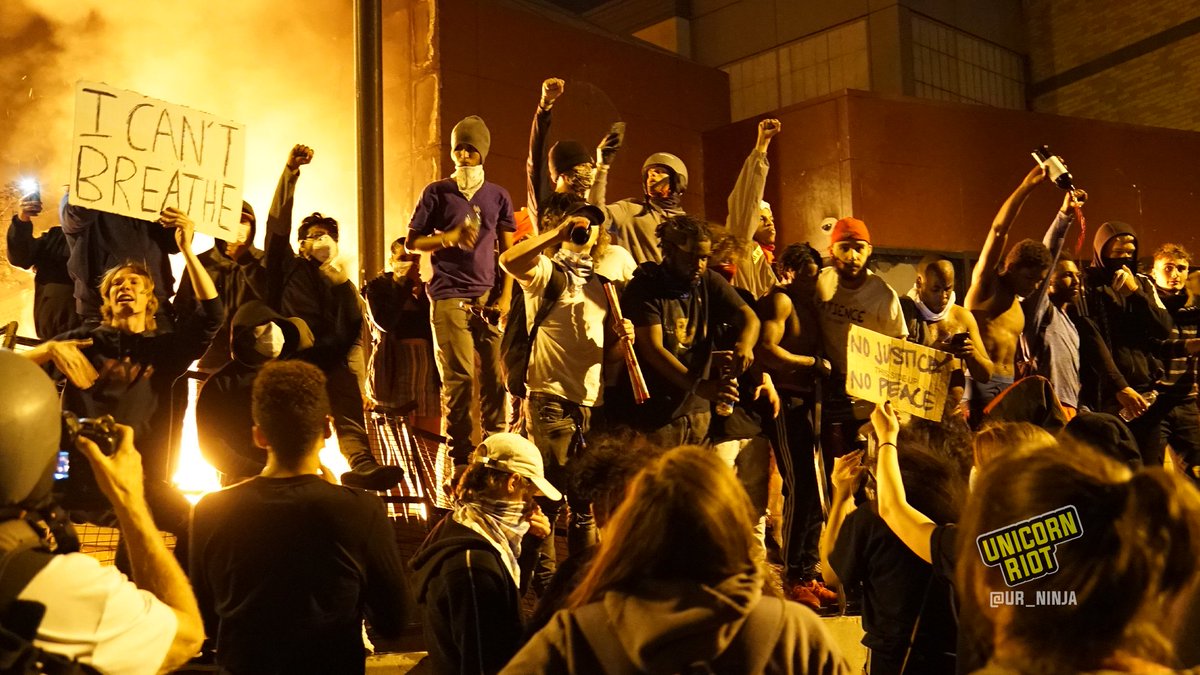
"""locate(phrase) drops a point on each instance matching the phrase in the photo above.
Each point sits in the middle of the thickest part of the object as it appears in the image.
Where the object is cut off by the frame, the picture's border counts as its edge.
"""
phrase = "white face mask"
(469, 179)
(268, 340)
(323, 248)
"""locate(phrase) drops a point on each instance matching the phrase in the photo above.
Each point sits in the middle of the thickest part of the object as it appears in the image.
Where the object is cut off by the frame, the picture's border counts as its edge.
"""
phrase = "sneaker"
(375, 477)
(826, 595)
(803, 594)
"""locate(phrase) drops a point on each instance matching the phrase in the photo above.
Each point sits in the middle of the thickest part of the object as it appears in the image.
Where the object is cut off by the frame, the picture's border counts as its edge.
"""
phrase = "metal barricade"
(421, 455)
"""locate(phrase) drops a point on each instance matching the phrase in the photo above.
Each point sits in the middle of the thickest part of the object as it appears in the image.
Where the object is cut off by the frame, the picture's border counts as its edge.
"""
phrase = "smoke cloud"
(285, 70)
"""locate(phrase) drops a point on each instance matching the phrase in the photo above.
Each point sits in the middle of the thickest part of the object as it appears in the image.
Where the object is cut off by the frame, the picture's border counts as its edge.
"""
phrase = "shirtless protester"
(995, 293)
(935, 321)
(788, 347)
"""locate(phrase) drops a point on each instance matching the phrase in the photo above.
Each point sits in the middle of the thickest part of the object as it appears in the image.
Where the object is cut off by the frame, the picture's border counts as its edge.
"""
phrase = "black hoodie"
(238, 281)
(1108, 434)
(1127, 327)
(299, 287)
(99, 241)
(137, 374)
(223, 419)
(471, 607)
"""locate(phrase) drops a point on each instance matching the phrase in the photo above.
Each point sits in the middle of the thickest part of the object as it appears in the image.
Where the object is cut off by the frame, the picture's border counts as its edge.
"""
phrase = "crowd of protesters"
(640, 375)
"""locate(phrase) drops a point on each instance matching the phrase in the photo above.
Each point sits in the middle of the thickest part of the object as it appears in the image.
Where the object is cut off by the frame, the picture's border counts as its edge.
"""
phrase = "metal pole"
(368, 71)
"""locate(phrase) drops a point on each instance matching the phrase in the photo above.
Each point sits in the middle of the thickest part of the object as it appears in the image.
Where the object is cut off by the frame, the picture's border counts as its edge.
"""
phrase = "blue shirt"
(441, 208)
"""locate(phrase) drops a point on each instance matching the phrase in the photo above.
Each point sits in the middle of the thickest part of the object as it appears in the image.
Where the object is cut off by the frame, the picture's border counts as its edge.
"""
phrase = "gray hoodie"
(668, 626)
(633, 222)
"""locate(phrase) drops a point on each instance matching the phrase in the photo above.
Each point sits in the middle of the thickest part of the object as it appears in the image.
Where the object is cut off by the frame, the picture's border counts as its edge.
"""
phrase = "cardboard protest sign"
(134, 156)
(912, 376)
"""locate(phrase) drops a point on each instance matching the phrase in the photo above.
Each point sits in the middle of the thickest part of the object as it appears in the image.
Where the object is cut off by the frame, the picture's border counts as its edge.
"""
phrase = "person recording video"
(88, 612)
(46, 255)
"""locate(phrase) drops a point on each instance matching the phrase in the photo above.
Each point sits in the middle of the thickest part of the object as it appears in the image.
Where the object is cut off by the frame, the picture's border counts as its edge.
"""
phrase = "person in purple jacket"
(464, 221)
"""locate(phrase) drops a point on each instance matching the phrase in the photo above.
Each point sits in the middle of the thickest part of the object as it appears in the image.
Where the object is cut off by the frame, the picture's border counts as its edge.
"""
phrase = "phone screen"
(62, 470)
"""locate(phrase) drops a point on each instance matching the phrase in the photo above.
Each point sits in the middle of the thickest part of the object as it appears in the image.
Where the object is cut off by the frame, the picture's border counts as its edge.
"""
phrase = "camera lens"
(581, 233)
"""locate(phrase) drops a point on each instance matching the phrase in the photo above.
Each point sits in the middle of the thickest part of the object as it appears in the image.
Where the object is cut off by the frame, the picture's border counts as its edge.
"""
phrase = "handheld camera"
(74, 483)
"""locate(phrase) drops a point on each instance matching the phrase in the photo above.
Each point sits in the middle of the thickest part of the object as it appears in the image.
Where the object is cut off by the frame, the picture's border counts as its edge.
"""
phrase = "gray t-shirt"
(1062, 343)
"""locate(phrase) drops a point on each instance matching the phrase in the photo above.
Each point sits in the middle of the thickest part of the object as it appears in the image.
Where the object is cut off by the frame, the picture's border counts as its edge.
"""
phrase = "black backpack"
(19, 619)
(516, 344)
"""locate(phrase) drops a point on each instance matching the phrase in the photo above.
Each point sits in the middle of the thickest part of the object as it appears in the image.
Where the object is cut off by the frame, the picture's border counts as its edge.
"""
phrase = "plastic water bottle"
(723, 362)
(1129, 416)
(471, 222)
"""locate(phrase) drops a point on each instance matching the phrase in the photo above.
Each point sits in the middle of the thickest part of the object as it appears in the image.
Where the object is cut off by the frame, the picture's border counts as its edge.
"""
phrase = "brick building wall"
(1133, 62)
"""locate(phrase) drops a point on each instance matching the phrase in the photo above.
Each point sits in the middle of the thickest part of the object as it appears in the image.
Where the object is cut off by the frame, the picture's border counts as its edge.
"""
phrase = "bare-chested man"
(994, 296)
(788, 346)
(935, 321)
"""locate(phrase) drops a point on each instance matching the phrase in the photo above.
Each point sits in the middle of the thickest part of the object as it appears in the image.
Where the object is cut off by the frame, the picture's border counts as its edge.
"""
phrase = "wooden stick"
(641, 393)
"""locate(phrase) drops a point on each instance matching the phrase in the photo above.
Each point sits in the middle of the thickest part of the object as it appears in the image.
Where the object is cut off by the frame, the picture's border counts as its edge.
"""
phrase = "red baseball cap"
(849, 228)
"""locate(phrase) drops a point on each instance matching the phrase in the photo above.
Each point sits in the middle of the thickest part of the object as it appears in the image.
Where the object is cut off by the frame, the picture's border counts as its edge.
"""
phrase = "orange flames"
(284, 70)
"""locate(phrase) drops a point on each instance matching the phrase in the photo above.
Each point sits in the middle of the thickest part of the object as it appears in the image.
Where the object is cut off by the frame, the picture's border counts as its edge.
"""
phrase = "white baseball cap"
(513, 453)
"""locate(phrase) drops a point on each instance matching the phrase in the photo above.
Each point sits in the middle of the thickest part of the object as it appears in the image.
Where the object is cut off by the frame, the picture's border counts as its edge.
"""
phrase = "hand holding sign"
(886, 422)
(184, 227)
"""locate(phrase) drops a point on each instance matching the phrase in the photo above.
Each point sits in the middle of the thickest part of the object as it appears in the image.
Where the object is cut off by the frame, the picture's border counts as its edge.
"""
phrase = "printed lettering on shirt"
(123, 371)
(840, 311)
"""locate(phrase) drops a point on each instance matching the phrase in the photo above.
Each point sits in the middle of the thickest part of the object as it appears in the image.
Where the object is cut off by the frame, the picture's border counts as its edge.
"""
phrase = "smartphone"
(618, 130)
(31, 190)
(959, 339)
(62, 470)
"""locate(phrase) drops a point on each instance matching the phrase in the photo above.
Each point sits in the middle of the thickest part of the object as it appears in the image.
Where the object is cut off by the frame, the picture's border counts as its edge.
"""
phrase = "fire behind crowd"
(576, 432)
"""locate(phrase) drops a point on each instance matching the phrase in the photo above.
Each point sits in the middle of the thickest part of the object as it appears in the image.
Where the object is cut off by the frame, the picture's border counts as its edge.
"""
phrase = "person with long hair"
(675, 587)
(127, 365)
(935, 543)
(1124, 550)
(907, 615)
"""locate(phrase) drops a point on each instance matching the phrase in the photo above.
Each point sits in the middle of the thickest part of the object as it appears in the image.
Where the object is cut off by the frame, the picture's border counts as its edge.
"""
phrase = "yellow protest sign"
(912, 376)
(135, 156)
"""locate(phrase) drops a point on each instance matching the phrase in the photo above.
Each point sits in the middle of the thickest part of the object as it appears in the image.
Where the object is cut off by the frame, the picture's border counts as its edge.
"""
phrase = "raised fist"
(768, 128)
(300, 155)
(552, 88)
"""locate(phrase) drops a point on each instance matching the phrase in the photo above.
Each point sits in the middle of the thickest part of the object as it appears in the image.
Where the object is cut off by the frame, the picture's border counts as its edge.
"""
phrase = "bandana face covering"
(1114, 265)
(727, 270)
(580, 179)
(579, 266)
(653, 193)
(499, 521)
(469, 179)
(927, 314)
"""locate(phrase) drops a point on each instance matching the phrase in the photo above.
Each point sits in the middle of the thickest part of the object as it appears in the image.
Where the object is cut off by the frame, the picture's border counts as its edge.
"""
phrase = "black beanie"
(248, 210)
(566, 155)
